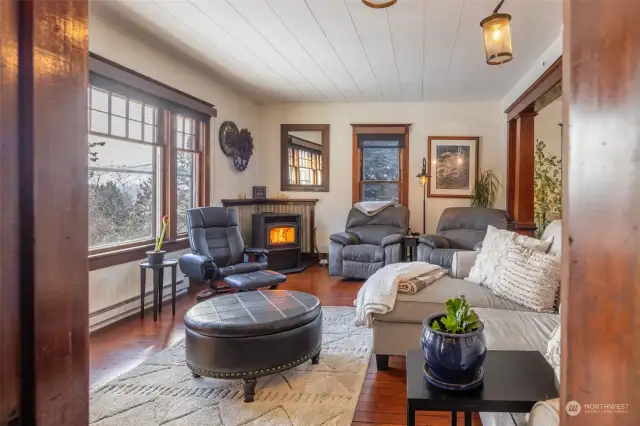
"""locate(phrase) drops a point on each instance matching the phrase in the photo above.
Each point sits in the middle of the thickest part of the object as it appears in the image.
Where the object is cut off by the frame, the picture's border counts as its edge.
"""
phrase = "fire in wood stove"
(280, 234)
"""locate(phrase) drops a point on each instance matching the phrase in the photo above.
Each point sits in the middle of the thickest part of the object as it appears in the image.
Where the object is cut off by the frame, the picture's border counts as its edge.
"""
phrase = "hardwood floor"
(124, 345)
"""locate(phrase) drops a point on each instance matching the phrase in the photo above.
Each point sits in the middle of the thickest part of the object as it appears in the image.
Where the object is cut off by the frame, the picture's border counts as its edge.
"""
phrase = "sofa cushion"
(367, 253)
(517, 330)
(529, 278)
(414, 308)
(554, 231)
(552, 354)
(494, 249)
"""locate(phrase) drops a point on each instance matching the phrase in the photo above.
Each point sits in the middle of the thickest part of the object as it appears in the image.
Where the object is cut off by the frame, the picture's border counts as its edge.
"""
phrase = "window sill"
(131, 254)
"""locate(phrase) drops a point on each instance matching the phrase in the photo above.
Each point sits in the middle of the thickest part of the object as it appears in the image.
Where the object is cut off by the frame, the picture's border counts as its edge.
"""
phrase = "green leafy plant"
(460, 318)
(485, 190)
(547, 189)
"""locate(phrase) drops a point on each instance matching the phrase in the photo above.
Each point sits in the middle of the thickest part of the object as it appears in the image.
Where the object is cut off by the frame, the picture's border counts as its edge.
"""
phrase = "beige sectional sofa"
(508, 326)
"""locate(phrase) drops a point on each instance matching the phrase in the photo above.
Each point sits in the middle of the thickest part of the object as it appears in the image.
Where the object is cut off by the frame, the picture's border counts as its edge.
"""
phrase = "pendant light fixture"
(379, 4)
(497, 37)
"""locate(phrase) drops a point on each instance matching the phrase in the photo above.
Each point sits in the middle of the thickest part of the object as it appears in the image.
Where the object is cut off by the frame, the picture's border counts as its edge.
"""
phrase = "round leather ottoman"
(252, 334)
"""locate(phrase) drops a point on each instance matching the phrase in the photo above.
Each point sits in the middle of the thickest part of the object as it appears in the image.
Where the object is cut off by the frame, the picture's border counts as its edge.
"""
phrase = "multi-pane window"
(123, 169)
(305, 166)
(186, 159)
(146, 160)
(382, 164)
(380, 171)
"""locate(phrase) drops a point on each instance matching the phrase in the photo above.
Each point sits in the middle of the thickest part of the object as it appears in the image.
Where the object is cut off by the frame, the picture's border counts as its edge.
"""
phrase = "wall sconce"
(497, 37)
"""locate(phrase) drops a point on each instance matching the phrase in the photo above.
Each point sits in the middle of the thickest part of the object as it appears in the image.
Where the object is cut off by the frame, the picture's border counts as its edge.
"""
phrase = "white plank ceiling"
(343, 51)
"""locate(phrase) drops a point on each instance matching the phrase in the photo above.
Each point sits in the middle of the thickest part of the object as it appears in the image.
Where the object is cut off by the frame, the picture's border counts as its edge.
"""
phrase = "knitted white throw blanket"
(378, 294)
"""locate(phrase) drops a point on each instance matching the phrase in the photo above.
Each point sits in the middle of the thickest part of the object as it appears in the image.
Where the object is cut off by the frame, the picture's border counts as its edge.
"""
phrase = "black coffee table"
(513, 382)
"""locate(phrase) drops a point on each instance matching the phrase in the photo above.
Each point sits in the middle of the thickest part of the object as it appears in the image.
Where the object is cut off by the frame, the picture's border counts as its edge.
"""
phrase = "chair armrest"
(462, 263)
(392, 239)
(198, 266)
(545, 413)
(253, 250)
(434, 241)
(259, 253)
(345, 238)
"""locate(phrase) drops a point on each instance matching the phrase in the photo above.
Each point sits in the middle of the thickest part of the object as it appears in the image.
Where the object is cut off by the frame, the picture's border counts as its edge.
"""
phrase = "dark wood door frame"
(601, 212)
(521, 144)
(9, 233)
(44, 198)
(356, 160)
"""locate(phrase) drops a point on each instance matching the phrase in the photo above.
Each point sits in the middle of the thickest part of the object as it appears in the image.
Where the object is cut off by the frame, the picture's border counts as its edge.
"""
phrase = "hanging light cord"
(498, 6)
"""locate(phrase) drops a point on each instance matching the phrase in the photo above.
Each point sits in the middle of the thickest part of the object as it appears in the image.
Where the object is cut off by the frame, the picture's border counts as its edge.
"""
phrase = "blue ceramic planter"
(453, 358)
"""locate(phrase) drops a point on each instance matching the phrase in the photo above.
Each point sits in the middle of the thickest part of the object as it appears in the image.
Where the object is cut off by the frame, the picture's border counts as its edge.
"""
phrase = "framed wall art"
(260, 192)
(453, 165)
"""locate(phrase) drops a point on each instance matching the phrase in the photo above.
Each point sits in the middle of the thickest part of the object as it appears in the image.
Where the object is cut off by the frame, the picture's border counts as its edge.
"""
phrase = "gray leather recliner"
(369, 242)
(459, 228)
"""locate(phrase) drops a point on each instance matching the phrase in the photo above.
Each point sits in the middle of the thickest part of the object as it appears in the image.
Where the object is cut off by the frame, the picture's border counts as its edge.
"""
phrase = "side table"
(411, 248)
(158, 278)
(513, 382)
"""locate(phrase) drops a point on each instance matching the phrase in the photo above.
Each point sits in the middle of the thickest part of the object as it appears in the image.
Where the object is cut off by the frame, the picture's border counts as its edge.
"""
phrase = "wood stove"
(280, 234)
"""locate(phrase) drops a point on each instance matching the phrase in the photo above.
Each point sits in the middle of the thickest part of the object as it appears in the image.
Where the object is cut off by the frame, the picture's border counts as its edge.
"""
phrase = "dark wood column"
(601, 211)
(523, 217)
(9, 234)
(512, 127)
(44, 225)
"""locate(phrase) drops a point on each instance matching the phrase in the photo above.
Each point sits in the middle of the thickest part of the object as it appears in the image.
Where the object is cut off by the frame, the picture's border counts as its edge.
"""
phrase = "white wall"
(546, 127)
(110, 286)
(454, 119)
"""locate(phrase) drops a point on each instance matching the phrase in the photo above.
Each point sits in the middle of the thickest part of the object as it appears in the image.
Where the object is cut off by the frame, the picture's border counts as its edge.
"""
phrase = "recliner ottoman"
(252, 334)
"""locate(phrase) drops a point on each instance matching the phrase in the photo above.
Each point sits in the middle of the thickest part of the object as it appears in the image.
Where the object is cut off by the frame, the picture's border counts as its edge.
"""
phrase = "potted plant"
(454, 346)
(547, 187)
(156, 256)
(485, 190)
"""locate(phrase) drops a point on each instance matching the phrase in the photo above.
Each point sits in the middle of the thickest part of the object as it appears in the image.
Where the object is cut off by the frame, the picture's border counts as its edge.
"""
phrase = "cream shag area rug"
(161, 391)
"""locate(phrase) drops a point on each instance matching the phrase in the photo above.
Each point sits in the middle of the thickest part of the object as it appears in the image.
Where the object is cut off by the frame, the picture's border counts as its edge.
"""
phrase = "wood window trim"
(357, 158)
(103, 257)
(131, 253)
(325, 129)
(123, 75)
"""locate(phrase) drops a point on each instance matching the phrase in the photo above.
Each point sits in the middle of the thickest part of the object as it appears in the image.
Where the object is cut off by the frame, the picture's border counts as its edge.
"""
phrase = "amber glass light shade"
(423, 176)
(497, 38)
(379, 4)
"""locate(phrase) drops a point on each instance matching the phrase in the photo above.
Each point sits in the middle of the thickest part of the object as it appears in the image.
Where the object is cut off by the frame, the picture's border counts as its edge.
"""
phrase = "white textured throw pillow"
(494, 249)
(553, 351)
(528, 277)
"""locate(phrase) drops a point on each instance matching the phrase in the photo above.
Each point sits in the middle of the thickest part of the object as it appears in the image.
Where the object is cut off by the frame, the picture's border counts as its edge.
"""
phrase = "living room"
(211, 121)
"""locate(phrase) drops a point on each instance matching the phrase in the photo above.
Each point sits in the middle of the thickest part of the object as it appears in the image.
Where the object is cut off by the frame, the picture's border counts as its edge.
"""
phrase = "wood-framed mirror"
(304, 164)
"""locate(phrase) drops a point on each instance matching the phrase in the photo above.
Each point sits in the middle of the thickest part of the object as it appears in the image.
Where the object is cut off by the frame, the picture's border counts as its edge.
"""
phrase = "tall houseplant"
(485, 190)
(547, 189)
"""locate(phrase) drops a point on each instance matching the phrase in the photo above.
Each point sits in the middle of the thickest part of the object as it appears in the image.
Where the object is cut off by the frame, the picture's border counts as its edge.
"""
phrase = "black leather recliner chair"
(217, 247)
(459, 228)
